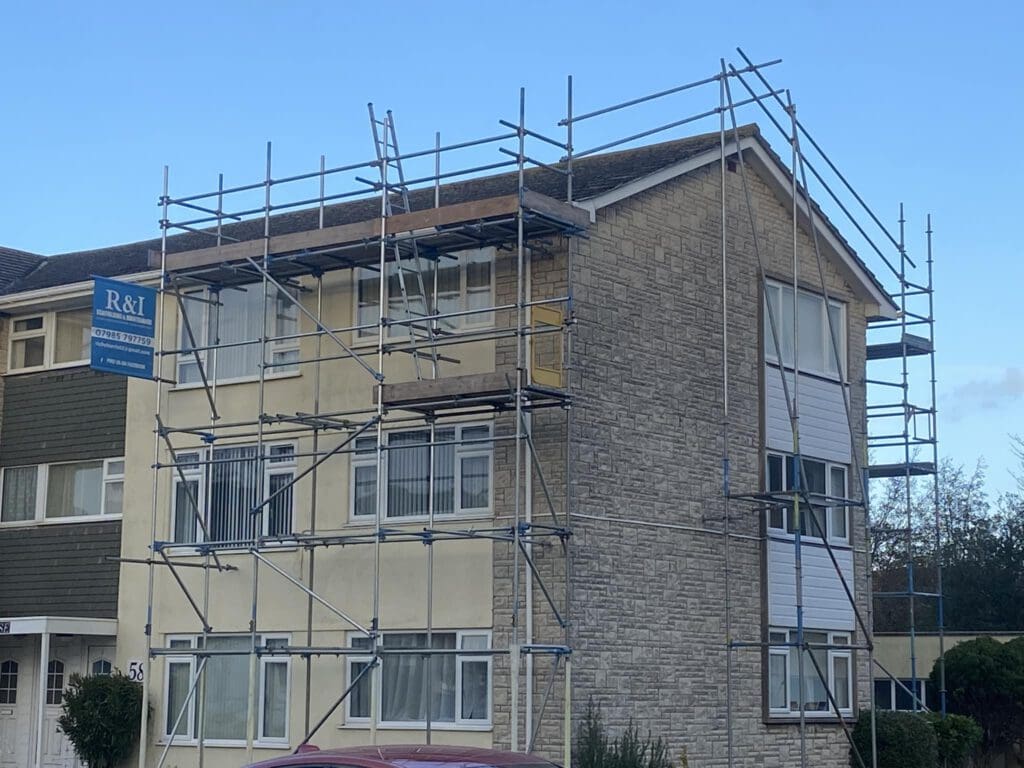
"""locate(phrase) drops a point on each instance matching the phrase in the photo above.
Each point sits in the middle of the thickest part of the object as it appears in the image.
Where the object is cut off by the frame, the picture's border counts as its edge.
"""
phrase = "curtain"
(408, 471)
(227, 686)
(279, 510)
(19, 498)
(184, 511)
(404, 680)
(240, 320)
(275, 693)
(235, 488)
(74, 490)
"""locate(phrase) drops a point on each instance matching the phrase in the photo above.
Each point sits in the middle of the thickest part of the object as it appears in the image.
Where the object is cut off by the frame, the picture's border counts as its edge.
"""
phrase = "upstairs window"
(460, 478)
(465, 283)
(50, 339)
(228, 483)
(235, 323)
(817, 354)
(821, 479)
(68, 490)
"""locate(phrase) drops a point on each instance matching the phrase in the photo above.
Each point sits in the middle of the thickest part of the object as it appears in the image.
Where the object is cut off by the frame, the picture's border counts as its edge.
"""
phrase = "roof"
(594, 176)
(15, 264)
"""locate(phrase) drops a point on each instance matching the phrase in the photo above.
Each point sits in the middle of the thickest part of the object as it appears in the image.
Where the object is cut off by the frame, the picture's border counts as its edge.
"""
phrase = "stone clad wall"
(648, 583)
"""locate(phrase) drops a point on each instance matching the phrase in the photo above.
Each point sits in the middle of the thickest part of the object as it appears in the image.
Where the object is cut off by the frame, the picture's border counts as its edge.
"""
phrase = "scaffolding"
(401, 226)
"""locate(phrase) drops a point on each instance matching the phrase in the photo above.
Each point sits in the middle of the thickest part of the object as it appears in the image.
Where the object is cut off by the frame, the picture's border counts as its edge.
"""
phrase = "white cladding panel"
(825, 603)
(824, 430)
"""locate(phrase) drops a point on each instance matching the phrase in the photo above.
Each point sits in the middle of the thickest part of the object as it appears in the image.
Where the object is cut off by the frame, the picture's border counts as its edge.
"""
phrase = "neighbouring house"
(62, 438)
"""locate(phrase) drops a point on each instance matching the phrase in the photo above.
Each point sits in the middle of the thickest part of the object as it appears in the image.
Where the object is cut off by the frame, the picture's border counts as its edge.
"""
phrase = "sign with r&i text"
(123, 328)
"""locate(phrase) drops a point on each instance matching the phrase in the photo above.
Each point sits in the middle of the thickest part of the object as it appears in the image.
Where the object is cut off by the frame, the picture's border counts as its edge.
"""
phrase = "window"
(55, 682)
(465, 283)
(836, 665)
(9, 682)
(101, 668)
(458, 687)
(893, 695)
(821, 479)
(227, 690)
(461, 474)
(817, 354)
(228, 483)
(61, 491)
(237, 318)
(50, 339)
(19, 494)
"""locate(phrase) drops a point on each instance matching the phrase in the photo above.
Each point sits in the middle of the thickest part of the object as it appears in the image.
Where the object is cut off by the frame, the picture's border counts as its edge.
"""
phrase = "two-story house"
(62, 438)
(364, 552)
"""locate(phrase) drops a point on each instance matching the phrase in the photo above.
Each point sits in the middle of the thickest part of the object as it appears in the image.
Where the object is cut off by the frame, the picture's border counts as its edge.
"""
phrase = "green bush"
(905, 740)
(958, 737)
(101, 718)
(985, 681)
(594, 750)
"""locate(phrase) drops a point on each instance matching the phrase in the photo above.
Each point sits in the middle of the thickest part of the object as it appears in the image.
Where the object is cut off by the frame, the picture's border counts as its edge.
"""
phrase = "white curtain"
(74, 490)
(19, 499)
(405, 686)
(227, 685)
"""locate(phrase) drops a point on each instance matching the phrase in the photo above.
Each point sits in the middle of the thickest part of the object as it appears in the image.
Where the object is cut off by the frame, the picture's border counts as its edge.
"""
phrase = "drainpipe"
(44, 660)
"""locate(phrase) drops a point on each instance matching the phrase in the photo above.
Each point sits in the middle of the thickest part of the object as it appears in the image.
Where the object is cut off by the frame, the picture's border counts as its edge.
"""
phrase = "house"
(536, 484)
(62, 463)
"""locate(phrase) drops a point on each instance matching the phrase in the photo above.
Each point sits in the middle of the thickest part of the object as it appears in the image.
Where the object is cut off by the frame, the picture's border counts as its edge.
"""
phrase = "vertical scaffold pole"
(798, 469)
(939, 554)
(375, 677)
(514, 649)
(154, 508)
(729, 736)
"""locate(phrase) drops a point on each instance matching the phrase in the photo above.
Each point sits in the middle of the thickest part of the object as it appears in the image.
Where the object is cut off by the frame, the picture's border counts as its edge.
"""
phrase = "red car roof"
(406, 756)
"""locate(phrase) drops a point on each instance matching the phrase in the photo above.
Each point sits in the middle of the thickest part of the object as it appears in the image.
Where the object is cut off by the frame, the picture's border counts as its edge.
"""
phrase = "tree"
(101, 717)
(985, 681)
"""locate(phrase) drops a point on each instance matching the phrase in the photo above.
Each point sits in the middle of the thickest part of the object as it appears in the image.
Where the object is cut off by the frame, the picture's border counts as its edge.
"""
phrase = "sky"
(916, 102)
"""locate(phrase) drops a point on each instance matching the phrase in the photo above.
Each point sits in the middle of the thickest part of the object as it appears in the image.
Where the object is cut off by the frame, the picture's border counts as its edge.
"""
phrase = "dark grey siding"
(60, 570)
(65, 415)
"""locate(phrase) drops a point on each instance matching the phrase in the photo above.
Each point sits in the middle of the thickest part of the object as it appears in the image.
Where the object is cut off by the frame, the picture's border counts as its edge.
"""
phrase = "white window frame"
(787, 510)
(190, 737)
(483, 449)
(201, 331)
(459, 723)
(42, 484)
(835, 637)
(49, 335)
(776, 294)
(200, 472)
(481, 319)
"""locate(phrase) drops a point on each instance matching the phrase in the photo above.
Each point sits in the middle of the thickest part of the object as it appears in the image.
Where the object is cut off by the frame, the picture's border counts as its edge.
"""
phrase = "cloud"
(986, 394)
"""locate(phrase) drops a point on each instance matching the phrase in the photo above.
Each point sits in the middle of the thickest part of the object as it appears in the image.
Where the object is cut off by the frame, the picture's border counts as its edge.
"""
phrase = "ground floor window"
(836, 665)
(892, 694)
(226, 701)
(457, 686)
(55, 682)
(9, 682)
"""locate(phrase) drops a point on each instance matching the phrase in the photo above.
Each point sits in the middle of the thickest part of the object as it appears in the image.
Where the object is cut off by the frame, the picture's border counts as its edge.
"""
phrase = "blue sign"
(123, 327)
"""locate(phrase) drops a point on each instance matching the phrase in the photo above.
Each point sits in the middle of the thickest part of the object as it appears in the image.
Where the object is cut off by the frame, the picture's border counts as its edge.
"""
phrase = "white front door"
(65, 660)
(17, 678)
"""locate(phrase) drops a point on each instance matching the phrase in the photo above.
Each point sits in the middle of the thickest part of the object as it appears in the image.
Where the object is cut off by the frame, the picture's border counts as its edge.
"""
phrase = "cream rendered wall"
(344, 576)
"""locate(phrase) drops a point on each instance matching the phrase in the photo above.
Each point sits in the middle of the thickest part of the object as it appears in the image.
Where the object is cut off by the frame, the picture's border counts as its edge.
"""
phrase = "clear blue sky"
(917, 102)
